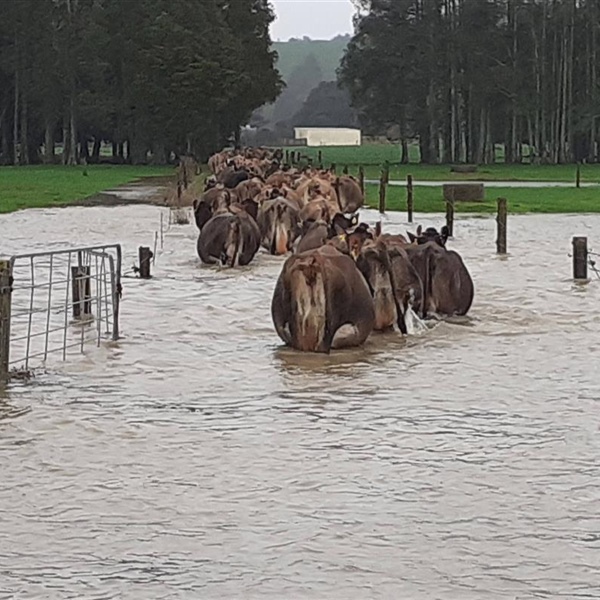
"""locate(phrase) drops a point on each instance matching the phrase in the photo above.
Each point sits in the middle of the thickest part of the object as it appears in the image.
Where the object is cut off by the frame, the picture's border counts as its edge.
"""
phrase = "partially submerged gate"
(56, 303)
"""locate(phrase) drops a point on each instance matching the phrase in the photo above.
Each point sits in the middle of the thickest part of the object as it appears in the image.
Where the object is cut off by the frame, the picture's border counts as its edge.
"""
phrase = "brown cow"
(394, 283)
(322, 302)
(447, 285)
(279, 225)
(231, 238)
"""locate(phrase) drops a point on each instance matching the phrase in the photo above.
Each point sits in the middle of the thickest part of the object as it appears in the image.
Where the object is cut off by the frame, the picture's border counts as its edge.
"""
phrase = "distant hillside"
(305, 65)
(327, 52)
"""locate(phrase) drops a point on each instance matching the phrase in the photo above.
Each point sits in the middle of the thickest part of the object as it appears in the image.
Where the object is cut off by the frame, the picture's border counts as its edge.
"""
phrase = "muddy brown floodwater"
(199, 459)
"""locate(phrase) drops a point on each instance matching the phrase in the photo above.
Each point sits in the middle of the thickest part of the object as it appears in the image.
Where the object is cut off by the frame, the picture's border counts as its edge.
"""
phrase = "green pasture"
(520, 200)
(373, 156)
(51, 185)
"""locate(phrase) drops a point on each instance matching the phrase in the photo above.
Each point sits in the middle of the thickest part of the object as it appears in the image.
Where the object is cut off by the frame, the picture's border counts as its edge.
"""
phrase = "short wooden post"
(5, 306)
(580, 258)
(333, 167)
(81, 287)
(361, 179)
(410, 199)
(578, 176)
(320, 155)
(287, 157)
(145, 255)
(383, 183)
(345, 171)
(501, 220)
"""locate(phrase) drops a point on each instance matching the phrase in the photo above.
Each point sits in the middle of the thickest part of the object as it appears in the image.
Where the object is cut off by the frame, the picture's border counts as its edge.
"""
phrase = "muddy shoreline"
(156, 191)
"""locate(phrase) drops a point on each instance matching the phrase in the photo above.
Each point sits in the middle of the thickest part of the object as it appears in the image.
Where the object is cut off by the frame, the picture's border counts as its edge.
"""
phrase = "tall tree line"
(150, 77)
(465, 75)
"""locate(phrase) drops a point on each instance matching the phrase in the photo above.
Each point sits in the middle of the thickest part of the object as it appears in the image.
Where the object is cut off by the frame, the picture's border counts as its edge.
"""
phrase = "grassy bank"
(44, 186)
(520, 200)
(372, 156)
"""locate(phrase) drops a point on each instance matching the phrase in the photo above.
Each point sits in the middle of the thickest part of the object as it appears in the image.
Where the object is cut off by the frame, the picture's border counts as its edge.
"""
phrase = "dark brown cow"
(322, 302)
(447, 285)
(231, 239)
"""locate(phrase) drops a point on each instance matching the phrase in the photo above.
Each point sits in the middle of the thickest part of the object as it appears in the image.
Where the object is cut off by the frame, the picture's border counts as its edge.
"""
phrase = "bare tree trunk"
(72, 157)
(49, 142)
(65, 139)
(24, 159)
(16, 110)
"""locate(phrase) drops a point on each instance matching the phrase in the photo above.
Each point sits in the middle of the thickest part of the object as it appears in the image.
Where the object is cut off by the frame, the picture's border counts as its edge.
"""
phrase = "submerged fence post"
(383, 183)
(501, 219)
(320, 157)
(81, 287)
(5, 306)
(410, 200)
(145, 256)
(580, 258)
(450, 215)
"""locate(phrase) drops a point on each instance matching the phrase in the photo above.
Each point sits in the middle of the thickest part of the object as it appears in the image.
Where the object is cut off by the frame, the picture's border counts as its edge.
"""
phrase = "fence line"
(57, 301)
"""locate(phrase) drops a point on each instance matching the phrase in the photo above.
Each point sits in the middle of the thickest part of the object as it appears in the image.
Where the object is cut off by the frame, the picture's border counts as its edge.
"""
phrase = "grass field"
(520, 200)
(43, 186)
(372, 157)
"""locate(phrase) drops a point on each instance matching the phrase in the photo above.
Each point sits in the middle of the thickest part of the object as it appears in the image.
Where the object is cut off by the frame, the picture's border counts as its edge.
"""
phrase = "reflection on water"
(197, 458)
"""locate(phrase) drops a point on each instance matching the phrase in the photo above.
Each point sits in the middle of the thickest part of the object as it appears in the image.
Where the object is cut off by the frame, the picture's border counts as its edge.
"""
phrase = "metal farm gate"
(55, 302)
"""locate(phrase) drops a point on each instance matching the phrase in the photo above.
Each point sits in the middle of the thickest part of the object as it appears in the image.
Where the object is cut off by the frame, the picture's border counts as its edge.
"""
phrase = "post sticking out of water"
(145, 256)
(383, 183)
(361, 179)
(320, 157)
(345, 171)
(5, 306)
(332, 168)
(287, 157)
(501, 219)
(410, 200)
(578, 176)
(450, 218)
(81, 288)
(580, 258)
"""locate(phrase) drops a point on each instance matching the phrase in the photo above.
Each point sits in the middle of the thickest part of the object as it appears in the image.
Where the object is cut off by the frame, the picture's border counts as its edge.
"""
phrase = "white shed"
(328, 136)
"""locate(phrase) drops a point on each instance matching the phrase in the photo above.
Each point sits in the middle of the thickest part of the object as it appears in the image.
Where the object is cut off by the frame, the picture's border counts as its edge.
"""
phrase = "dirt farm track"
(196, 458)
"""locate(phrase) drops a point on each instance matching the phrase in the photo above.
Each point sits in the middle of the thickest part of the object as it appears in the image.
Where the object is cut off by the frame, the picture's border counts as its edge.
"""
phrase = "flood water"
(199, 459)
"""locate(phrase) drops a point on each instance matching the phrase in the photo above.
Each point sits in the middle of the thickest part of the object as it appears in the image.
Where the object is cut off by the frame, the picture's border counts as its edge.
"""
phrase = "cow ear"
(419, 231)
(411, 236)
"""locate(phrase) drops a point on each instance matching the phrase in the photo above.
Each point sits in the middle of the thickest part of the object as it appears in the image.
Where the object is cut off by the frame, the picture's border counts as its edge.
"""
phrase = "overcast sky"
(318, 19)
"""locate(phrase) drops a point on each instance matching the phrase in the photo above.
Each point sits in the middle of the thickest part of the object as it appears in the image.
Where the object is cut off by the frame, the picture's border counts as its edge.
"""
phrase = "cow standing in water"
(322, 302)
(448, 288)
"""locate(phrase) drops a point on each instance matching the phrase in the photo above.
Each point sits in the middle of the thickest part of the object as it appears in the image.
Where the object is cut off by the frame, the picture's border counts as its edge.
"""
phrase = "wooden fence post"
(578, 176)
(580, 258)
(383, 183)
(5, 306)
(320, 159)
(332, 168)
(81, 287)
(501, 220)
(145, 255)
(450, 215)
(410, 200)
(345, 171)
(361, 179)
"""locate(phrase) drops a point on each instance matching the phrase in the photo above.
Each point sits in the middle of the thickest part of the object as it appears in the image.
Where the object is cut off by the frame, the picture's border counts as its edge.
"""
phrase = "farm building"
(328, 136)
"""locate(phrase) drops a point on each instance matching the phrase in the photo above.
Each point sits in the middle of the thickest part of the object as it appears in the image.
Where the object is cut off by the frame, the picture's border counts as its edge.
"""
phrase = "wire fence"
(62, 301)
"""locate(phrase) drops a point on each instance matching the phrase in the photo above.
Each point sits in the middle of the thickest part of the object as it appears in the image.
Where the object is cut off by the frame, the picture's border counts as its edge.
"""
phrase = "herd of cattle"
(344, 279)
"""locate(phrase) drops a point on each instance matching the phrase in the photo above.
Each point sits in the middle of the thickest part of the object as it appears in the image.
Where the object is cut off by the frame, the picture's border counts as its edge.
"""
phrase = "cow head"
(430, 234)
